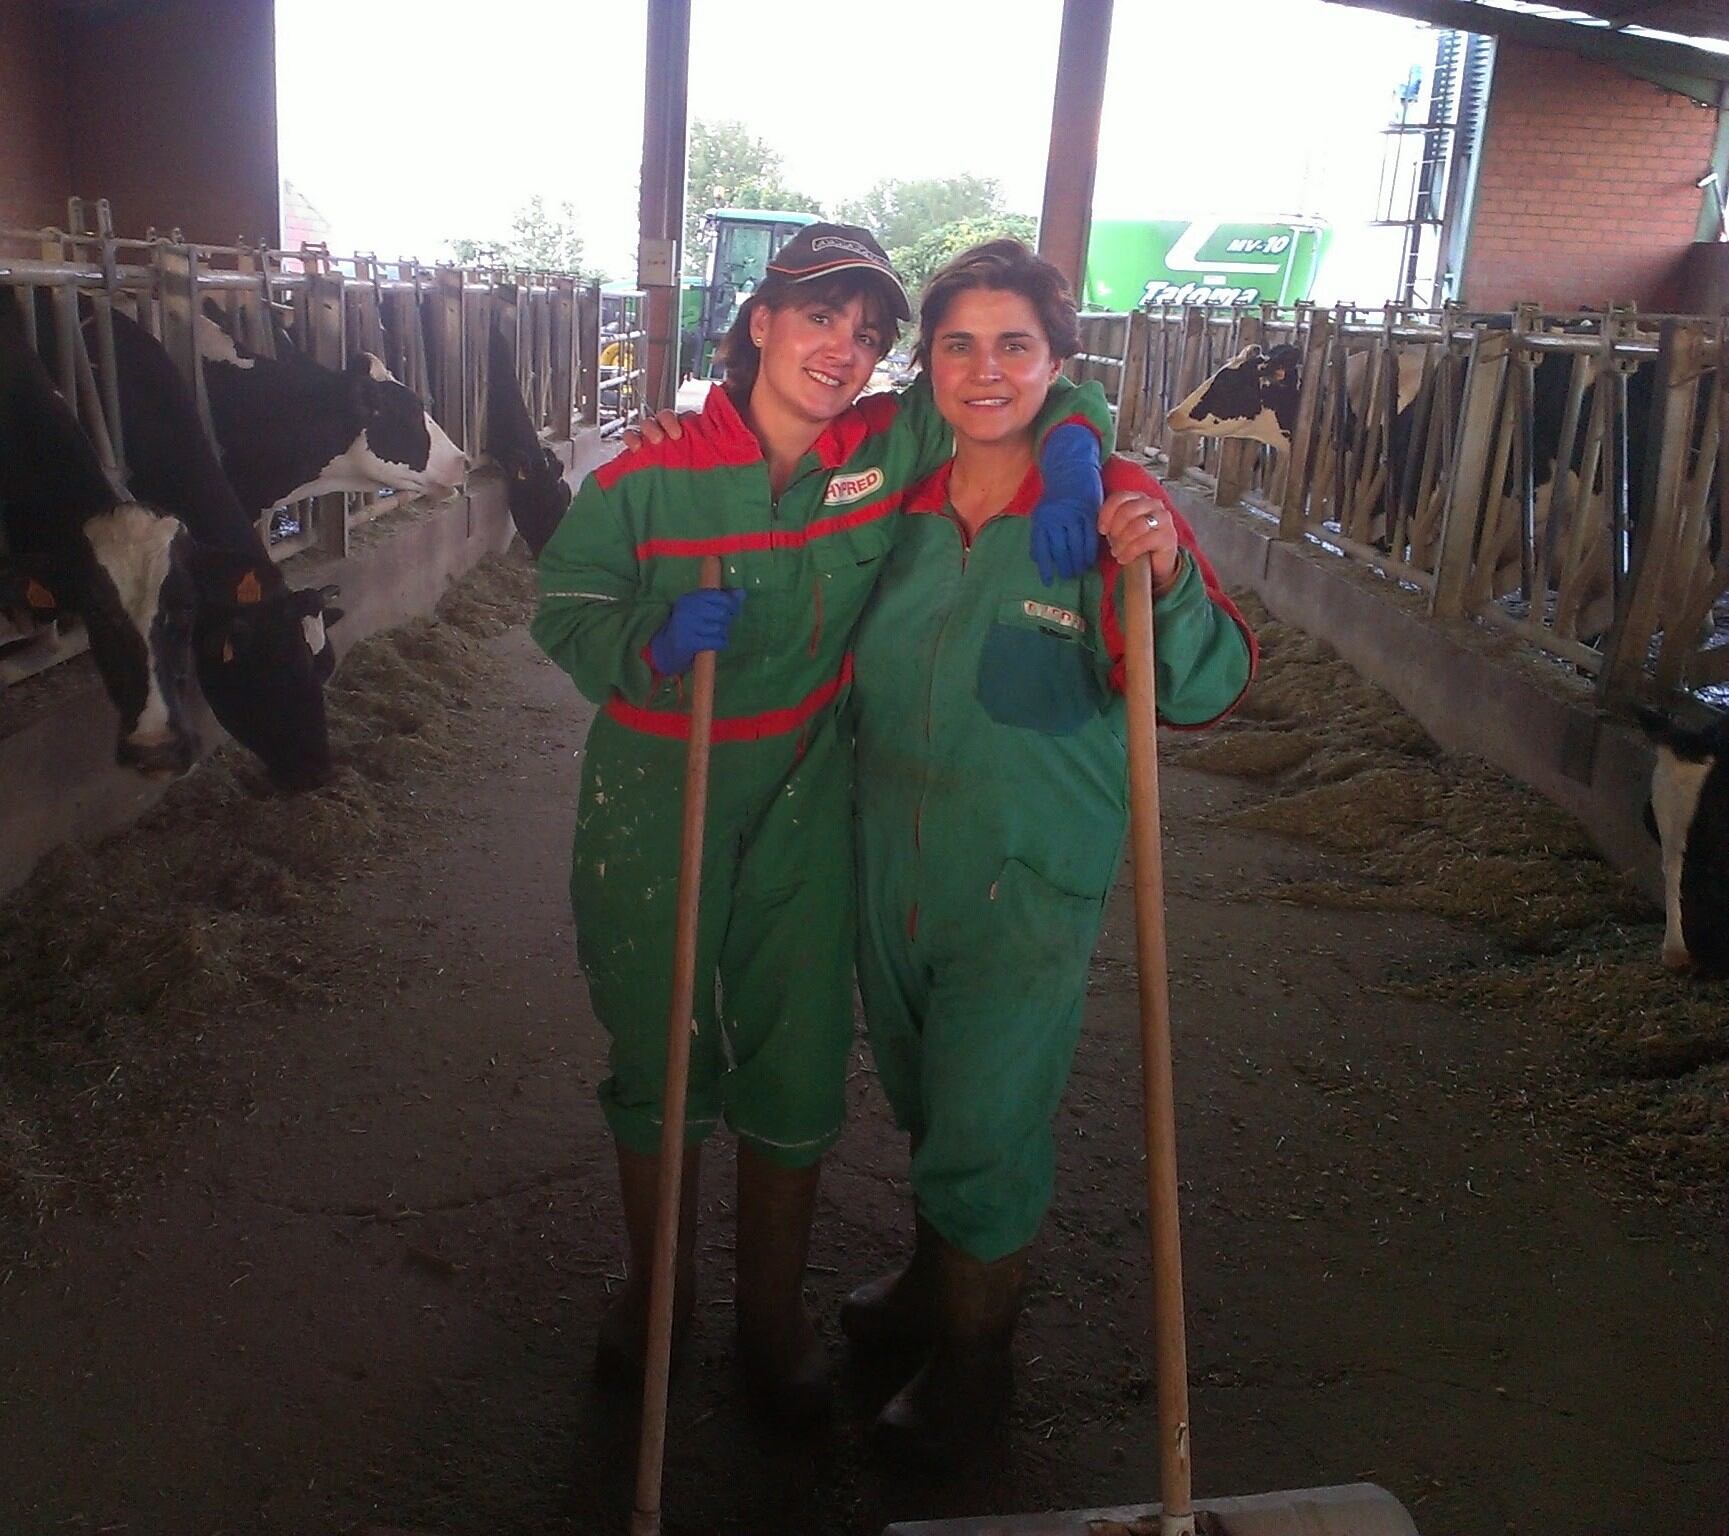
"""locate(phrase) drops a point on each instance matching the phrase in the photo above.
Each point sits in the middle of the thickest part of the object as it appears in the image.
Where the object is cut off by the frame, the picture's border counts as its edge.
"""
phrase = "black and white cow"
(262, 648)
(289, 427)
(1255, 395)
(534, 479)
(1689, 815)
(78, 543)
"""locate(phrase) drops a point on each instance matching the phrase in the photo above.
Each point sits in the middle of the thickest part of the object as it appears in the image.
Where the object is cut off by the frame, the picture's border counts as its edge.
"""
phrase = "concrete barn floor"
(366, 1302)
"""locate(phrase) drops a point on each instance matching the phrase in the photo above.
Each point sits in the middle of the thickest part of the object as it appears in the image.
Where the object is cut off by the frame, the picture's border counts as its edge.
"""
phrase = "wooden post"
(588, 352)
(1134, 393)
(1694, 581)
(1484, 372)
(1637, 616)
(661, 199)
(323, 308)
(1182, 449)
(447, 391)
(1065, 220)
(1292, 511)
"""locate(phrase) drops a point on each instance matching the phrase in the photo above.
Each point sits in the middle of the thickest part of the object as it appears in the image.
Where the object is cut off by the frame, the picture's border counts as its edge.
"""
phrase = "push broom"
(1354, 1509)
(657, 1366)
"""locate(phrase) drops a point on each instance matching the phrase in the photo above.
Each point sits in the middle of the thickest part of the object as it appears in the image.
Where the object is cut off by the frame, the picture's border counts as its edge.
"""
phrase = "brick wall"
(35, 145)
(1585, 190)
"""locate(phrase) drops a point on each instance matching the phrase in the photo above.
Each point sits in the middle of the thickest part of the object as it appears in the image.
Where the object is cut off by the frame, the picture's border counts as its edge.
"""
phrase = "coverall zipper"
(967, 538)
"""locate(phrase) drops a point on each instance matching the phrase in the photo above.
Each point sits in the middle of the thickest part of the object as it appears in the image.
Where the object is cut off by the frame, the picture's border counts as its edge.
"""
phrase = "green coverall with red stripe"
(769, 1052)
(992, 761)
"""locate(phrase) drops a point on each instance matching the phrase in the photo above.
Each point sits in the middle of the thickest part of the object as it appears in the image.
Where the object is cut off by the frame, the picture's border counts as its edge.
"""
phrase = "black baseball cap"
(819, 249)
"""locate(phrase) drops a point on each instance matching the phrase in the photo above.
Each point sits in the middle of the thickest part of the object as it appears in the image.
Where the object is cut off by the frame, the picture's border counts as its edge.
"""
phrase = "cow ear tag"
(227, 651)
(39, 597)
(248, 590)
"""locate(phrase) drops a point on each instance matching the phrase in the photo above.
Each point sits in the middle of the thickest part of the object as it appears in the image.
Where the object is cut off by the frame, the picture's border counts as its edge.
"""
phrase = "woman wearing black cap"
(792, 485)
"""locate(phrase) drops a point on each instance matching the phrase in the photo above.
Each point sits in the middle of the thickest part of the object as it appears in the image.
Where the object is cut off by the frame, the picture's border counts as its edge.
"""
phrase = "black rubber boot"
(778, 1345)
(622, 1343)
(897, 1311)
(940, 1418)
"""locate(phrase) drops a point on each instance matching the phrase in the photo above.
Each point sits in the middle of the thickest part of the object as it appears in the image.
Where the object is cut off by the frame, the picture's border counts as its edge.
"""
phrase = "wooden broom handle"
(1169, 1348)
(651, 1447)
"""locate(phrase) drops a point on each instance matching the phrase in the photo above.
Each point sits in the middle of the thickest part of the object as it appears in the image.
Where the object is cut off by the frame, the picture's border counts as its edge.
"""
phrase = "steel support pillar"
(661, 207)
(1067, 216)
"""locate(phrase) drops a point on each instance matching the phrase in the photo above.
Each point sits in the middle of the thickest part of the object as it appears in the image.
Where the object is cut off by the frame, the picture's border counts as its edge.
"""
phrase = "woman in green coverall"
(992, 804)
(793, 486)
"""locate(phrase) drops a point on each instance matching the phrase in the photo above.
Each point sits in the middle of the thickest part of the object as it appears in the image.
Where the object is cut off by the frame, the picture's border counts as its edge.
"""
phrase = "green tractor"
(745, 239)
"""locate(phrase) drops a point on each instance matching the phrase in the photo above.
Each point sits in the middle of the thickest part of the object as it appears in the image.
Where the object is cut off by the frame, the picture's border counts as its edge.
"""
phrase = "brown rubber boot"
(899, 1310)
(622, 1343)
(778, 1345)
(940, 1417)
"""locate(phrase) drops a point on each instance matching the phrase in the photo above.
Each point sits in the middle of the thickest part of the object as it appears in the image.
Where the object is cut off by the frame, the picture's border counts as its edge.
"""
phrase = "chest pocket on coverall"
(846, 566)
(1035, 671)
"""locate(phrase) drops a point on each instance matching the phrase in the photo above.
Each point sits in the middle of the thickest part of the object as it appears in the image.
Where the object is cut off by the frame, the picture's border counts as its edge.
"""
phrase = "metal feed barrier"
(1582, 509)
(429, 324)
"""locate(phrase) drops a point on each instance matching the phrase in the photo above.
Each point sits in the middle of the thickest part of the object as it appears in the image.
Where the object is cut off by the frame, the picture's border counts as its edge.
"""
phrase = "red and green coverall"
(992, 767)
(769, 1052)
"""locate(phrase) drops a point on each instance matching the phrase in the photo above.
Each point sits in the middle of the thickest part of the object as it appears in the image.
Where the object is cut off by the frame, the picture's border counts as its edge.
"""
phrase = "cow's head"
(1254, 396)
(535, 487)
(397, 444)
(264, 654)
(1688, 813)
(138, 599)
(538, 496)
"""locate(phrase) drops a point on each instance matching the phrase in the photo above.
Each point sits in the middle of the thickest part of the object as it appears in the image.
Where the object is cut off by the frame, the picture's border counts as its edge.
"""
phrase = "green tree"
(900, 212)
(545, 239)
(916, 262)
(726, 166)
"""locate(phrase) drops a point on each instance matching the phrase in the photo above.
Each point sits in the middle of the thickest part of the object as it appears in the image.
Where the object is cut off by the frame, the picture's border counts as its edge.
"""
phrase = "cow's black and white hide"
(289, 427)
(262, 648)
(535, 487)
(1688, 813)
(1254, 396)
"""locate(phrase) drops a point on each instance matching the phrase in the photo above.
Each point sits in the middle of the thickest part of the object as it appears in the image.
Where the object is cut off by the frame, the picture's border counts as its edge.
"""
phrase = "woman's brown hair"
(1006, 266)
(739, 354)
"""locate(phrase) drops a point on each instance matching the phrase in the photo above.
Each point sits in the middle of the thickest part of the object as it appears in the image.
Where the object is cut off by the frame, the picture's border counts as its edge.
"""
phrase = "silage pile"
(125, 963)
(1421, 830)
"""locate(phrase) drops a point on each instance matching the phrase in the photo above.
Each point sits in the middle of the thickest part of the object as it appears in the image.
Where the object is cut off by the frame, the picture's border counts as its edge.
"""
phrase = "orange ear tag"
(38, 596)
(249, 590)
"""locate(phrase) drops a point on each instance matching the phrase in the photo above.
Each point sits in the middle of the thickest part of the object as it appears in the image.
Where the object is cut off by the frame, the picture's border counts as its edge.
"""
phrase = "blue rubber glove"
(699, 621)
(1065, 539)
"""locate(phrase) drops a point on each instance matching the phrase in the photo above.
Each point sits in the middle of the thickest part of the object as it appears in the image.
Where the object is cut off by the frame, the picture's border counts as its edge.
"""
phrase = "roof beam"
(1693, 72)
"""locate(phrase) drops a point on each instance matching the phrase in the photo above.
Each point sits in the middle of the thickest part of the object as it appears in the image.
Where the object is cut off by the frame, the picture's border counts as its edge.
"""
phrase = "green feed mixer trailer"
(1221, 263)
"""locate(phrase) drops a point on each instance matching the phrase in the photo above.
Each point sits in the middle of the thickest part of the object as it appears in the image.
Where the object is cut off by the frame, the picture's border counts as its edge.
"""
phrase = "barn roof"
(1682, 44)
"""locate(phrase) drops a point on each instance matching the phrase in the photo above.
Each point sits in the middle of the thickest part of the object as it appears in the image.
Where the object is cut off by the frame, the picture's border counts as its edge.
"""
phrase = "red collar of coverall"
(932, 493)
(834, 445)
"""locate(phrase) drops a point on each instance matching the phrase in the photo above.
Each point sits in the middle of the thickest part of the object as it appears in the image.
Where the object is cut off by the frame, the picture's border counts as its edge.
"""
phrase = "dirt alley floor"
(357, 1289)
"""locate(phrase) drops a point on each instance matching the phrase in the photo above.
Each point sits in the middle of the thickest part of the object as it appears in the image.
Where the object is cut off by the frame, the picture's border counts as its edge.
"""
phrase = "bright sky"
(457, 115)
